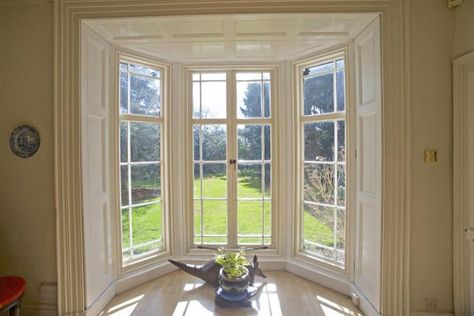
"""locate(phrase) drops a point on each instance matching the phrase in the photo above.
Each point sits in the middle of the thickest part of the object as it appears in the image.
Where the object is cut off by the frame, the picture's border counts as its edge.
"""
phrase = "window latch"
(233, 162)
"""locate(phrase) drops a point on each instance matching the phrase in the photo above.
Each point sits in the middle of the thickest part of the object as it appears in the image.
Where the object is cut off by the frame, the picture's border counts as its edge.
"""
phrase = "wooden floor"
(281, 293)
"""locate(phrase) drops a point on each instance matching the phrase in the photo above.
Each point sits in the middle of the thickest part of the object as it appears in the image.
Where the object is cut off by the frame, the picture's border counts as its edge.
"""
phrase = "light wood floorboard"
(281, 293)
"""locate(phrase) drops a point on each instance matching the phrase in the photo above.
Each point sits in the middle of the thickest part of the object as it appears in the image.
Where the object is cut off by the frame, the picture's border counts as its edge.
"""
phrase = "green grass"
(147, 219)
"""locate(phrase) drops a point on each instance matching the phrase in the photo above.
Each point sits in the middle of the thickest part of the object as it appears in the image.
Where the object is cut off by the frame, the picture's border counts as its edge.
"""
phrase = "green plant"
(233, 263)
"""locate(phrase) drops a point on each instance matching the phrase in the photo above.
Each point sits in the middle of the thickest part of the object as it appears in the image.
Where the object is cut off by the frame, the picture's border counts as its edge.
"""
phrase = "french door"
(231, 115)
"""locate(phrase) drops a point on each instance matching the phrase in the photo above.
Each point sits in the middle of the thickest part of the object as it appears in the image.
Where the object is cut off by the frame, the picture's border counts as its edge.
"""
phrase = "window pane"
(123, 92)
(249, 218)
(144, 141)
(341, 141)
(249, 142)
(319, 183)
(124, 185)
(196, 142)
(320, 69)
(268, 180)
(215, 181)
(215, 218)
(197, 181)
(146, 222)
(267, 142)
(144, 95)
(341, 185)
(249, 99)
(143, 70)
(214, 99)
(249, 181)
(268, 217)
(197, 218)
(125, 233)
(214, 142)
(123, 141)
(340, 235)
(319, 141)
(340, 90)
(266, 98)
(248, 76)
(318, 94)
(146, 186)
(319, 230)
(210, 76)
(196, 99)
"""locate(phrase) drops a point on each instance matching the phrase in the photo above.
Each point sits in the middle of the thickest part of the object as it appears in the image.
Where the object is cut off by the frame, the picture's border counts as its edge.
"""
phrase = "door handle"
(469, 233)
(233, 162)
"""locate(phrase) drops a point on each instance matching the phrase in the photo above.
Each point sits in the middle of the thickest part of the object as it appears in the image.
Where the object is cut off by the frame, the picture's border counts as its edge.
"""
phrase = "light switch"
(431, 155)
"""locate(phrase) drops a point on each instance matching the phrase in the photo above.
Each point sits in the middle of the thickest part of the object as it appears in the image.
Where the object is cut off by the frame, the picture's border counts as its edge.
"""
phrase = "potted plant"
(233, 276)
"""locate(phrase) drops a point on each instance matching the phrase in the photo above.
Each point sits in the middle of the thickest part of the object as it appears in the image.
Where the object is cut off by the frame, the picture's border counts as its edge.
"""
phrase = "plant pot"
(233, 289)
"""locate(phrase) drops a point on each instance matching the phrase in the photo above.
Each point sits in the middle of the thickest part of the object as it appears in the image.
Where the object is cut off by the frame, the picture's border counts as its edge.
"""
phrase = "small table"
(11, 290)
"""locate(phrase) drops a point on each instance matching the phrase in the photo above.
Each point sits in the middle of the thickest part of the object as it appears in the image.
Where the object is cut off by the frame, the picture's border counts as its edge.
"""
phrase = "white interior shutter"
(369, 163)
(95, 107)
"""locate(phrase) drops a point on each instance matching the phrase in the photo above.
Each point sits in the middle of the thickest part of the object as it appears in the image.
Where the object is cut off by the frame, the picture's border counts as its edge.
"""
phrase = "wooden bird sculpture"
(209, 272)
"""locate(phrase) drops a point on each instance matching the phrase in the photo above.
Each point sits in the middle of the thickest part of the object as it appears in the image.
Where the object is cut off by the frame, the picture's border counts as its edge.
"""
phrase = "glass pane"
(267, 205)
(318, 230)
(214, 240)
(340, 90)
(124, 67)
(249, 139)
(144, 141)
(319, 141)
(143, 70)
(341, 185)
(266, 76)
(196, 99)
(249, 184)
(267, 142)
(320, 69)
(214, 142)
(340, 235)
(319, 183)
(340, 64)
(248, 76)
(146, 222)
(318, 94)
(249, 99)
(249, 218)
(219, 76)
(123, 141)
(124, 185)
(214, 99)
(196, 136)
(197, 217)
(197, 181)
(214, 182)
(341, 141)
(144, 96)
(123, 92)
(268, 180)
(196, 76)
(266, 98)
(146, 186)
(125, 232)
(215, 218)
(245, 240)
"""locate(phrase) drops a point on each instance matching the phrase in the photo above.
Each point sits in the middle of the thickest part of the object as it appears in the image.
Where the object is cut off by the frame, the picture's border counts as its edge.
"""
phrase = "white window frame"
(233, 121)
(350, 138)
(163, 119)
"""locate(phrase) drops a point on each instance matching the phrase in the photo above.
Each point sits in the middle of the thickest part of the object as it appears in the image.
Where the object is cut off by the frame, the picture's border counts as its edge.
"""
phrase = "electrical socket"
(431, 304)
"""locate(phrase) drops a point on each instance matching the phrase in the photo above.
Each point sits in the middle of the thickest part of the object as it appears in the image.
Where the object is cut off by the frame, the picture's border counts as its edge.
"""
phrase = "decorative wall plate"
(25, 141)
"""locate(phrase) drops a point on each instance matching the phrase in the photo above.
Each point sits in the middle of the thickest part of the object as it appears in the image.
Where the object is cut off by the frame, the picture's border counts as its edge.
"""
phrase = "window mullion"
(232, 169)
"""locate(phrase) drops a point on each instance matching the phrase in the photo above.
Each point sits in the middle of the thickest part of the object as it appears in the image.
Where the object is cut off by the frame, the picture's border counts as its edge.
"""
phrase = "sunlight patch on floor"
(125, 308)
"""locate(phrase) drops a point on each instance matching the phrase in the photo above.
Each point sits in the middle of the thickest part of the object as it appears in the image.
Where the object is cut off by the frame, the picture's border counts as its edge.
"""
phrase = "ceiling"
(226, 38)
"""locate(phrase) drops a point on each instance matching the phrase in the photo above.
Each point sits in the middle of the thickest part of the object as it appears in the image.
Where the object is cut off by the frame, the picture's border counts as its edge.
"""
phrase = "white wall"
(27, 212)
(431, 43)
